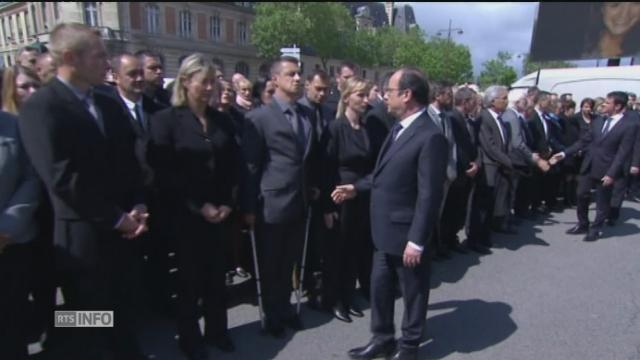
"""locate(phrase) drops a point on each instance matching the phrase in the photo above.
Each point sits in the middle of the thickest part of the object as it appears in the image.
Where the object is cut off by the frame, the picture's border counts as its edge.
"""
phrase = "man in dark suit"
(406, 192)
(468, 161)
(608, 143)
(634, 171)
(316, 91)
(82, 148)
(154, 77)
(278, 145)
(128, 74)
(625, 183)
(492, 188)
(345, 71)
(377, 113)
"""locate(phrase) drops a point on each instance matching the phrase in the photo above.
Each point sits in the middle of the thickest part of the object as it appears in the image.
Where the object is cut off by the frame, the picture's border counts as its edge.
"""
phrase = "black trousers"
(201, 275)
(346, 254)
(106, 284)
(479, 229)
(603, 201)
(279, 248)
(14, 280)
(544, 187)
(316, 252)
(388, 272)
(454, 214)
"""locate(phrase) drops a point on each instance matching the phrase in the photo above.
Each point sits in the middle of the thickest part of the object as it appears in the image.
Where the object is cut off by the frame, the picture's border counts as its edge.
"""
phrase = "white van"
(581, 82)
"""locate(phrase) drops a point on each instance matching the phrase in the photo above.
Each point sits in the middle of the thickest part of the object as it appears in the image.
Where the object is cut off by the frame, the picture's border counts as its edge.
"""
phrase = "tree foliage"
(532, 66)
(329, 30)
(497, 71)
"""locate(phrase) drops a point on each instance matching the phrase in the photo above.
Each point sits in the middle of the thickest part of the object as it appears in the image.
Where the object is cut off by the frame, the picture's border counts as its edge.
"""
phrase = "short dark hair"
(29, 48)
(631, 94)
(384, 81)
(319, 73)
(116, 61)
(346, 64)
(276, 67)
(569, 104)
(540, 96)
(141, 54)
(619, 98)
(438, 88)
(416, 81)
(588, 100)
(532, 90)
(463, 95)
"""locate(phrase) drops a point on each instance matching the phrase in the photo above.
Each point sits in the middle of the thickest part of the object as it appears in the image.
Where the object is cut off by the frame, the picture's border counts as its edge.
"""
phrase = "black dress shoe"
(222, 342)
(341, 314)
(196, 353)
(405, 354)
(578, 229)
(610, 222)
(480, 249)
(373, 350)
(294, 323)
(275, 330)
(355, 312)
(592, 236)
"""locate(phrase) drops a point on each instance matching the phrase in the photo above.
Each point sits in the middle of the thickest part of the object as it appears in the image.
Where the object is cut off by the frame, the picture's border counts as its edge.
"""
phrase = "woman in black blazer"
(192, 153)
(349, 158)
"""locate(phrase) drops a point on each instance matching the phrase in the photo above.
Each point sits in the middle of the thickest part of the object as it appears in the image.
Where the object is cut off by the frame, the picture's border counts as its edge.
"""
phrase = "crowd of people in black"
(106, 186)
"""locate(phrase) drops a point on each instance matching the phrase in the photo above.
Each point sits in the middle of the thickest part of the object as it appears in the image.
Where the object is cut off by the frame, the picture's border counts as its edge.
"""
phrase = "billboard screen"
(586, 30)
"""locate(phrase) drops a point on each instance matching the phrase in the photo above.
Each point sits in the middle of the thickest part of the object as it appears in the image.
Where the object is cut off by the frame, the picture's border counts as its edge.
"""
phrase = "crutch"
(257, 271)
(304, 261)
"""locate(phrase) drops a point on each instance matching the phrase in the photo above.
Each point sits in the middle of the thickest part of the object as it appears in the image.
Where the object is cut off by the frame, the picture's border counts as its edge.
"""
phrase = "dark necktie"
(395, 130)
(524, 129)
(139, 117)
(442, 121)
(471, 129)
(607, 125)
(320, 122)
(298, 127)
(503, 129)
(87, 101)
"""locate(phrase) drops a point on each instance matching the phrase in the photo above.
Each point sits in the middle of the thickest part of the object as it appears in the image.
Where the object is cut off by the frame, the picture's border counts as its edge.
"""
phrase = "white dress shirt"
(132, 109)
(495, 118)
(544, 123)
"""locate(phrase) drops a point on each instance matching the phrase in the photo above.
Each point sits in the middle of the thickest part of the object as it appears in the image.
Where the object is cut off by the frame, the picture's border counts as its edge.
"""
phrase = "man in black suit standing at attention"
(406, 192)
(278, 146)
(606, 146)
(82, 147)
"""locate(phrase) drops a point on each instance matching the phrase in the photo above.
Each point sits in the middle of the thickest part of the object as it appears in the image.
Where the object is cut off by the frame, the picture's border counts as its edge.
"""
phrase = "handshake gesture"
(342, 193)
(134, 223)
(556, 158)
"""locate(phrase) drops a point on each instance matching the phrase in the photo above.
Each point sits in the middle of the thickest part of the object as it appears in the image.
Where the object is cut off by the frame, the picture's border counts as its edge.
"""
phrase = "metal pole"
(304, 261)
(255, 264)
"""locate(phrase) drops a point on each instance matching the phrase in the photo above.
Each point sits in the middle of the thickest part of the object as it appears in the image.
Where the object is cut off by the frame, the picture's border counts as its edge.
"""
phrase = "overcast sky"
(487, 28)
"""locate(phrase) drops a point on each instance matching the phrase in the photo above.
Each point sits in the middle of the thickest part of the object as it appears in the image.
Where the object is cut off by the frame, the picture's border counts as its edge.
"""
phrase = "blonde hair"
(193, 64)
(351, 86)
(243, 83)
(74, 37)
(9, 88)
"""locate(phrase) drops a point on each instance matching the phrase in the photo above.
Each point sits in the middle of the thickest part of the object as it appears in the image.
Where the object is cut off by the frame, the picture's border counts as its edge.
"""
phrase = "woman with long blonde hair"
(349, 158)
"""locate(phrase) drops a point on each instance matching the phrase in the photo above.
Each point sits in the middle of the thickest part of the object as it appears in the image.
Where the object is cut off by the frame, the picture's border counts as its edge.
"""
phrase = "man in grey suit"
(521, 142)
(278, 145)
(441, 100)
(406, 195)
(20, 192)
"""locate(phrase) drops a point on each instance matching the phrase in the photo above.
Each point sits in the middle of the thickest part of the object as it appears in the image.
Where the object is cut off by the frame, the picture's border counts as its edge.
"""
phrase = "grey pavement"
(542, 294)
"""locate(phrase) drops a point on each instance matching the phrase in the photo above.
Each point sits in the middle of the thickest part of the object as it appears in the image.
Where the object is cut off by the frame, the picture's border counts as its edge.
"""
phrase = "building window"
(215, 27)
(242, 68)
(153, 18)
(56, 11)
(242, 32)
(185, 23)
(364, 74)
(90, 13)
(43, 8)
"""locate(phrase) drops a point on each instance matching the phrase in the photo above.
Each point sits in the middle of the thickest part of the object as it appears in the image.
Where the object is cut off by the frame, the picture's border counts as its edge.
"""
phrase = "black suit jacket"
(92, 178)
(635, 156)
(466, 142)
(495, 153)
(407, 186)
(277, 181)
(606, 154)
(197, 167)
(541, 142)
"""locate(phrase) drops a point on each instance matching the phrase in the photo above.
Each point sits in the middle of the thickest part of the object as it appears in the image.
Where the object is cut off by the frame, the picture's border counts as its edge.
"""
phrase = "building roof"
(376, 11)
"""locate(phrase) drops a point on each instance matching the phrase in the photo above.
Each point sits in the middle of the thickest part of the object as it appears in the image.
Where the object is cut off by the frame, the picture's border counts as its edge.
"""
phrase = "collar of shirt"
(518, 113)
(435, 109)
(284, 105)
(406, 122)
(82, 95)
(615, 119)
(494, 114)
(130, 104)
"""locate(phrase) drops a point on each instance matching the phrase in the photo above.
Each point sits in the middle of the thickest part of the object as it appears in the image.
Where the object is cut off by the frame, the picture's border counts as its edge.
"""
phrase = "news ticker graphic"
(83, 319)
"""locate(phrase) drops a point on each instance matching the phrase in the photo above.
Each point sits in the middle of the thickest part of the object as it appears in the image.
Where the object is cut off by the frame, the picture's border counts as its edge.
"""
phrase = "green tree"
(324, 27)
(529, 66)
(497, 71)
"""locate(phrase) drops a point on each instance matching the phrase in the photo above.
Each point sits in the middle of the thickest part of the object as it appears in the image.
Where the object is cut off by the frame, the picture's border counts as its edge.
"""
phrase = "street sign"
(293, 52)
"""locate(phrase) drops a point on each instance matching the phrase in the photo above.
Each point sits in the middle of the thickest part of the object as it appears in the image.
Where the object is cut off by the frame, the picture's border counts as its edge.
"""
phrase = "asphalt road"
(541, 295)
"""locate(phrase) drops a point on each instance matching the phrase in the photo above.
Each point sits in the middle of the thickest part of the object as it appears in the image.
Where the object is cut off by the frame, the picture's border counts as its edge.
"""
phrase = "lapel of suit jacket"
(494, 128)
(74, 106)
(134, 122)
(402, 140)
(612, 128)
